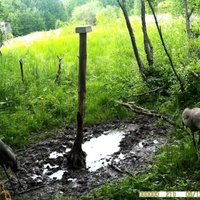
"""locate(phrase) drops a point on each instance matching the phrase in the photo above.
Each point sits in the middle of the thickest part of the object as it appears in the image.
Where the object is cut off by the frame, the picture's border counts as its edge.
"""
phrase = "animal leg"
(198, 139)
(8, 178)
(193, 139)
(18, 180)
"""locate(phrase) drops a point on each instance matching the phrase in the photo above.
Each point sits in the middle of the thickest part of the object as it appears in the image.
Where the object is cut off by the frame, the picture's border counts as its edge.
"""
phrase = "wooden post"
(22, 70)
(77, 156)
(82, 30)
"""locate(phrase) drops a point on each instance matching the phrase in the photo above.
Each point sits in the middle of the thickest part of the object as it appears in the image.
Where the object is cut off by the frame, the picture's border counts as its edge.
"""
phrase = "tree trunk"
(1, 38)
(165, 48)
(132, 36)
(187, 23)
(187, 17)
(147, 43)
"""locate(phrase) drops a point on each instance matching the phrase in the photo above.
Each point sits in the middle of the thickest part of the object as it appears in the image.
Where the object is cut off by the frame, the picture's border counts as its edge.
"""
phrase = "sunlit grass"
(112, 74)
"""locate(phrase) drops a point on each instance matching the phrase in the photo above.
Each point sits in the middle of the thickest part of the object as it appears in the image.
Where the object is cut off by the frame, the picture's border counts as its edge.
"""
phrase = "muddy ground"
(40, 162)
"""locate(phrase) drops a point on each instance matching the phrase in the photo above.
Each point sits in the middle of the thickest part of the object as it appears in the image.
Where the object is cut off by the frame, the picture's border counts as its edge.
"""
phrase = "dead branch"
(57, 79)
(114, 167)
(117, 169)
(30, 189)
(151, 113)
(190, 13)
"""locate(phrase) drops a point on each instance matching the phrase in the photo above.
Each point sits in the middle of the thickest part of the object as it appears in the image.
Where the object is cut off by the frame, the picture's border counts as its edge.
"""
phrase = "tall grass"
(112, 74)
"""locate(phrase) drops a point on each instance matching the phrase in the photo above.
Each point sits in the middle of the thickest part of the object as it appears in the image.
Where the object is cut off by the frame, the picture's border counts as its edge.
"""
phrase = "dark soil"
(143, 137)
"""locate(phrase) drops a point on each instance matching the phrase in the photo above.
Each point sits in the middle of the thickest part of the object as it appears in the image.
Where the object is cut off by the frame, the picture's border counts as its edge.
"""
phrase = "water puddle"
(57, 175)
(100, 149)
(54, 155)
(100, 152)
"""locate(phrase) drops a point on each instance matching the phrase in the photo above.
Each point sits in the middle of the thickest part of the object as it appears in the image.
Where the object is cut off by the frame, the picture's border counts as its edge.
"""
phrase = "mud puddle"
(129, 145)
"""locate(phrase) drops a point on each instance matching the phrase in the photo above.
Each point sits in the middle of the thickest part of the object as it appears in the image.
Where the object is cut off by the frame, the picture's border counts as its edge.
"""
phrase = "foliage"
(46, 13)
(107, 15)
(29, 16)
(137, 7)
(29, 109)
(27, 22)
(85, 14)
(112, 74)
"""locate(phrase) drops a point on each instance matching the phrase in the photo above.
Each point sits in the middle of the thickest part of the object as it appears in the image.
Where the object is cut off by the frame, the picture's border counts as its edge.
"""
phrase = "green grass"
(31, 111)
(112, 74)
(175, 169)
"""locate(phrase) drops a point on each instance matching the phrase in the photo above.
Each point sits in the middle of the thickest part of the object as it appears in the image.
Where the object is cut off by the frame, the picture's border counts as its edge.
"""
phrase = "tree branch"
(190, 13)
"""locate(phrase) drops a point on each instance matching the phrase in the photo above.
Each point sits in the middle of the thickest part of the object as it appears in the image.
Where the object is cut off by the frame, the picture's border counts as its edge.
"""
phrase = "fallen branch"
(151, 113)
(30, 189)
(117, 169)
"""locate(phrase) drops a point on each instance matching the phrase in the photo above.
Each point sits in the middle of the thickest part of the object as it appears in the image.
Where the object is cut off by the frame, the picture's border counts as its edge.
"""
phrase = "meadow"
(32, 110)
(39, 104)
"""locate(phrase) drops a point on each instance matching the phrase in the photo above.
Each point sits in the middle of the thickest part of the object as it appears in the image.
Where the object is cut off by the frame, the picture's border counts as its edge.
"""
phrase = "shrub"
(107, 14)
(86, 13)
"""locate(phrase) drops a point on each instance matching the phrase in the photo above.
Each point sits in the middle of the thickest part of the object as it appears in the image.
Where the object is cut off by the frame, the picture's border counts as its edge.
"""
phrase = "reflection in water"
(57, 175)
(100, 149)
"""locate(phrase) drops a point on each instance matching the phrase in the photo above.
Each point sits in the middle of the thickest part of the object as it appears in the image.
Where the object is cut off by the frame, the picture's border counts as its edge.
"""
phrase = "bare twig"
(30, 189)
(57, 79)
(117, 169)
(190, 13)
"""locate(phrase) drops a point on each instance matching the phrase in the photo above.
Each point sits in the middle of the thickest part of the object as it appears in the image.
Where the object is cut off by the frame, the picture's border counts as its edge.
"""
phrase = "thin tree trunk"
(165, 48)
(187, 17)
(1, 38)
(147, 43)
(187, 23)
(132, 36)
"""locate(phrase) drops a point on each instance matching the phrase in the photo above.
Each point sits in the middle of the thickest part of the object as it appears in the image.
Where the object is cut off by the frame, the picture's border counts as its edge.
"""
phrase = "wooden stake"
(21, 69)
(58, 74)
(77, 156)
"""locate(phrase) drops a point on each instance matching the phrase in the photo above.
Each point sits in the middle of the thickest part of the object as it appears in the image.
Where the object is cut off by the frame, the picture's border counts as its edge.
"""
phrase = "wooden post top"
(83, 29)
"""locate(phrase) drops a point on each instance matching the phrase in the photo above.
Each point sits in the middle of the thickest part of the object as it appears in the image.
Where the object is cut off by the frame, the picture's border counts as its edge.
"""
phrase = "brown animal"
(8, 160)
(191, 119)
